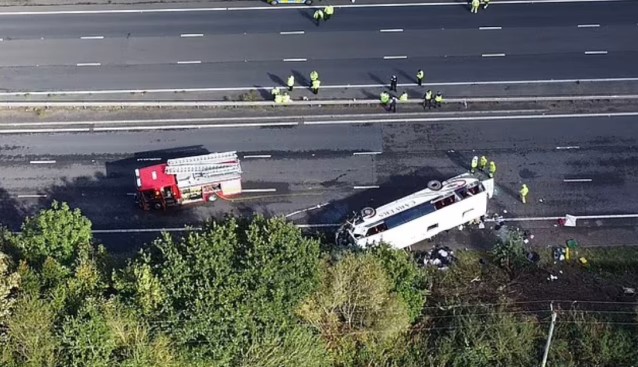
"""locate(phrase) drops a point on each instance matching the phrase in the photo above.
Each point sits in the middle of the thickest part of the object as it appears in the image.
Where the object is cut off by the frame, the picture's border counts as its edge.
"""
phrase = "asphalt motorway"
(578, 166)
(72, 52)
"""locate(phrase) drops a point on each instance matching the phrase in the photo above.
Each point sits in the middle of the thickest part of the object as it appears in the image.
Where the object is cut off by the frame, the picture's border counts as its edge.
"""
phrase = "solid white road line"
(336, 86)
(588, 25)
(317, 225)
(578, 180)
(191, 35)
(184, 229)
(144, 128)
(180, 127)
(492, 55)
(219, 119)
(366, 187)
(32, 196)
(275, 8)
(258, 156)
(391, 30)
(471, 118)
(291, 33)
(192, 119)
(537, 219)
(595, 52)
(295, 60)
(568, 147)
(33, 131)
(394, 57)
(88, 64)
(42, 162)
(92, 37)
(258, 190)
(366, 153)
(146, 230)
(189, 62)
(489, 28)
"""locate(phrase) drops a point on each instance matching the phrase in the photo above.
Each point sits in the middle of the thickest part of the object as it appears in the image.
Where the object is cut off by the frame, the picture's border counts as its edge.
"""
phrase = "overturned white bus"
(419, 216)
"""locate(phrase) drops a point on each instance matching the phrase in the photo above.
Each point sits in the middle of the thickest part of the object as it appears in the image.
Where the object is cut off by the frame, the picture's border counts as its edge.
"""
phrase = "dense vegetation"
(261, 293)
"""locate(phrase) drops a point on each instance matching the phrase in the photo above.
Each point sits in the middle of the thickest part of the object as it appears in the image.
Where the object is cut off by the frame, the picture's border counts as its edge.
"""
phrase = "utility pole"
(550, 335)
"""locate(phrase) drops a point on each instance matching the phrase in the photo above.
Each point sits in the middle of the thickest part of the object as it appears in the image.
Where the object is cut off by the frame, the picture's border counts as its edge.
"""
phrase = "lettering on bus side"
(394, 210)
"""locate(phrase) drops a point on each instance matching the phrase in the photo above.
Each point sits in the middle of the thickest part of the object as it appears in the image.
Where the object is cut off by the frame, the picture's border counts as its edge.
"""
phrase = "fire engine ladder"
(207, 169)
(213, 158)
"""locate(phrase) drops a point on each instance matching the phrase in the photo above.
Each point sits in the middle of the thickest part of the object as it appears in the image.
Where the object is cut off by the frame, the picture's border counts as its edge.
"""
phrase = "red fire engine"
(188, 180)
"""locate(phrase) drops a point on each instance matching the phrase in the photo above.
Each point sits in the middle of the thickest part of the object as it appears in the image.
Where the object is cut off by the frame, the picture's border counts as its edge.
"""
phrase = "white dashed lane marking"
(595, 52)
(258, 190)
(191, 35)
(92, 37)
(568, 147)
(366, 153)
(577, 180)
(258, 156)
(291, 33)
(391, 30)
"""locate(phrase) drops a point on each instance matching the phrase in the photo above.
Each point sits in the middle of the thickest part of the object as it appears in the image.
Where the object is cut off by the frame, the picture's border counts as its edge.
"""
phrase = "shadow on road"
(404, 77)
(107, 199)
(264, 92)
(307, 14)
(388, 191)
(277, 80)
(375, 78)
(300, 79)
(12, 213)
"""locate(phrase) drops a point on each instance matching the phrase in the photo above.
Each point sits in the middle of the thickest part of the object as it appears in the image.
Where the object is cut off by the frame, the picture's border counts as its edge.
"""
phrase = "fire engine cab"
(188, 180)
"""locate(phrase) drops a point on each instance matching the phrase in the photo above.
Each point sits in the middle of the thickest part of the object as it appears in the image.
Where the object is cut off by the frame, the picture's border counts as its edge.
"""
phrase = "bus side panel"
(444, 219)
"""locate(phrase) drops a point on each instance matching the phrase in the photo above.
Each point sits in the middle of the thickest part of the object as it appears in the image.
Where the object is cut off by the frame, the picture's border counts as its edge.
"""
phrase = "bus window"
(376, 229)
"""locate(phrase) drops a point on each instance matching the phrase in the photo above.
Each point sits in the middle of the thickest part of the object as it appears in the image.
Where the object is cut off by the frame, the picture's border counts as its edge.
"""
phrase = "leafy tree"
(295, 347)
(58, 232)
(582, 339)
(510, 253)
(483, 337)
(86, 340)
(9, 282)
(406, 278)
(104, 333)
(219, 290)
(355, 310)
(30, 340)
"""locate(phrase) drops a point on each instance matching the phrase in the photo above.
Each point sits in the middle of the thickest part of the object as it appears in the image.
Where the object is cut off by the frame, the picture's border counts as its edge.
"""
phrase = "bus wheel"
(368, 212)
(308, 2)
(274, 2)
(435, 185)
